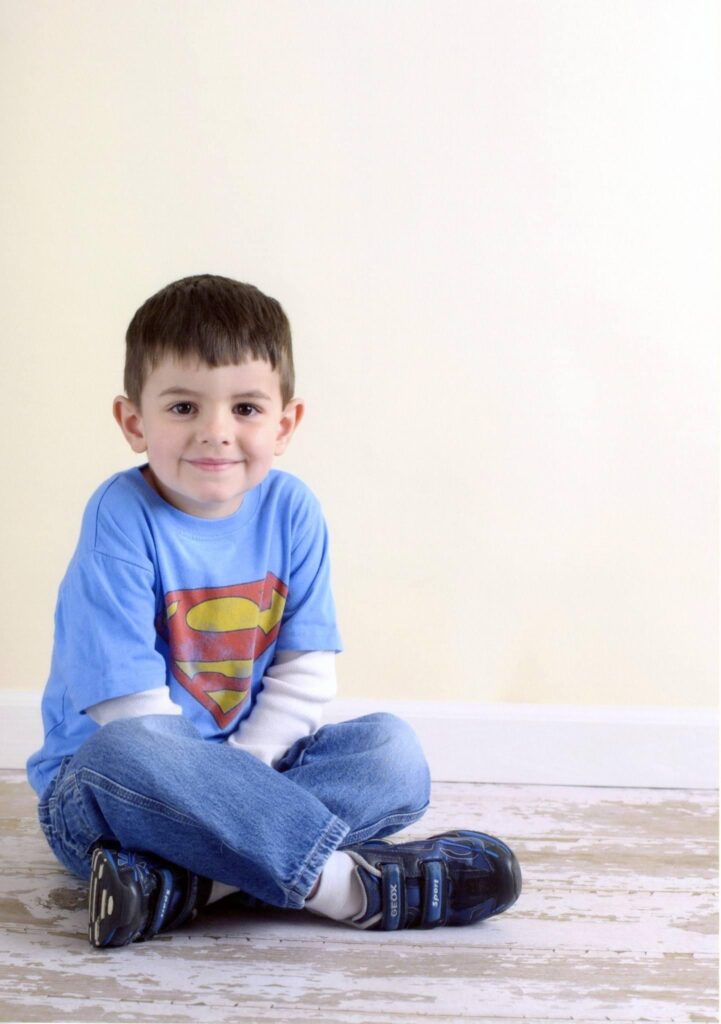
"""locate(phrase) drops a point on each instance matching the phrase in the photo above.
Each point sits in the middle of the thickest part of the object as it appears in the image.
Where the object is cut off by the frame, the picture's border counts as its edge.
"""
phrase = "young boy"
(195, 639)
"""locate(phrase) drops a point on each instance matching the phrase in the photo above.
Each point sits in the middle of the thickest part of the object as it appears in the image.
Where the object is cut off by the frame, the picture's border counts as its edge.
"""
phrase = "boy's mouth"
(213, 465)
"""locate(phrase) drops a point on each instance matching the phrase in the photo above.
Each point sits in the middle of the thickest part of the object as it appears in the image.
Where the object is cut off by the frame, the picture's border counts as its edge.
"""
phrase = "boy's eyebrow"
(197, 394)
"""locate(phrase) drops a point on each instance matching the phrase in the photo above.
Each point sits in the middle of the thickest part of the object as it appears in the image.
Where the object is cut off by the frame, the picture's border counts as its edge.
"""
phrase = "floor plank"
(618, 921)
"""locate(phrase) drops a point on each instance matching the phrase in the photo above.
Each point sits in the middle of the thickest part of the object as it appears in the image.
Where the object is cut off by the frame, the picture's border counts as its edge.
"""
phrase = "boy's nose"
(216, 429)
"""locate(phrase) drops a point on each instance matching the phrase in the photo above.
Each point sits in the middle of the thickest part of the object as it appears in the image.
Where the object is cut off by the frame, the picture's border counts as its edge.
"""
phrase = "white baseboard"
(552, 744)
(547, 744)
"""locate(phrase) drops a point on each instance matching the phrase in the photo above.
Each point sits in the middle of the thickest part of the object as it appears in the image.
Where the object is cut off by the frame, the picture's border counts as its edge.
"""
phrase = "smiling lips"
(213, 465)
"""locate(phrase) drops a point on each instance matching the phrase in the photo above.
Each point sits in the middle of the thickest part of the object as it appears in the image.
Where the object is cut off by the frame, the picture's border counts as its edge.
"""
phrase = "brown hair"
(214, 319)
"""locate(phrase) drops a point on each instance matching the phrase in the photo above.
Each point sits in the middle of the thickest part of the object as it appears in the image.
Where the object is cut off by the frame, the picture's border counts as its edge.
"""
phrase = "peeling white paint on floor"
(617, 922)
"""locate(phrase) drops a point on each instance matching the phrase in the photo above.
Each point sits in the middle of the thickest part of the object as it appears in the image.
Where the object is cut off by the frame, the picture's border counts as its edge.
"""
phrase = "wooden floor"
(617, 922)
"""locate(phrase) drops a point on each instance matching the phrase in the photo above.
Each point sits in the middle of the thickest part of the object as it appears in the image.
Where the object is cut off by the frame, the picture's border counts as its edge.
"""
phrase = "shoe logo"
(394, 899)
(436, 894)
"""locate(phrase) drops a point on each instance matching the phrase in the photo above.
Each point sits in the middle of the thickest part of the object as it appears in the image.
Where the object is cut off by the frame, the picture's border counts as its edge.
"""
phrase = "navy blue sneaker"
(456, 878)
(133, 896)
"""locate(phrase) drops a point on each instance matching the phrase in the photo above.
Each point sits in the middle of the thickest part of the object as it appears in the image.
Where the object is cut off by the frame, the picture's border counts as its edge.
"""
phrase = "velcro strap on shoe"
(187, 908)
(434, 895)
(162, 902)
(394, 897)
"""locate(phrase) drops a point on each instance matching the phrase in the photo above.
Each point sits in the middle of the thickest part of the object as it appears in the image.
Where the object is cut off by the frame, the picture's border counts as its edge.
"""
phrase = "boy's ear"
(289, 420)
(130, 422)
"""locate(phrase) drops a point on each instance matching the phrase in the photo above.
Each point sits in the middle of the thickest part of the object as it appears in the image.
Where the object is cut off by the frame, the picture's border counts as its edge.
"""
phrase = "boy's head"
(212, 320)
(209, 380)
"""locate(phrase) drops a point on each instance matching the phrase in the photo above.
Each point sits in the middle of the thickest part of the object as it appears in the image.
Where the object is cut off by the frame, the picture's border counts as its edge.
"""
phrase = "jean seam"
(95, 780)
(326, 843)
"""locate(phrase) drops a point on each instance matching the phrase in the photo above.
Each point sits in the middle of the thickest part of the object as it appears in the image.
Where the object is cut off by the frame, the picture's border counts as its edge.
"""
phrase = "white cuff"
(147, 702)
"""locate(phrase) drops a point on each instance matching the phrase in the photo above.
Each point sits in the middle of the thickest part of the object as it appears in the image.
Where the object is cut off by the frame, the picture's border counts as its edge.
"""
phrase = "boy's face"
(210, 432)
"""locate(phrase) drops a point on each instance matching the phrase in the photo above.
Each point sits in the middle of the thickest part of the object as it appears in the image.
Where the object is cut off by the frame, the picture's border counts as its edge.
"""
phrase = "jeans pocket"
(63, 822)
(47, 802)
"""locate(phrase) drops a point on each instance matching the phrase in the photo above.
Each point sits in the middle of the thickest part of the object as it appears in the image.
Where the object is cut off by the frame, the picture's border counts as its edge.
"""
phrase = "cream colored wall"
(494, 228)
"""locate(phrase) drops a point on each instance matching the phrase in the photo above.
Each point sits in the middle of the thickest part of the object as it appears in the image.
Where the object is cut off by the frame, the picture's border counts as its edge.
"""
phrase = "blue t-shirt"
(154, 596)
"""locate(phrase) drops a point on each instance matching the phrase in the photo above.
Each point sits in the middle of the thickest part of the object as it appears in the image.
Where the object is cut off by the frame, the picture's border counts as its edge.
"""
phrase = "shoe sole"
(112, 906)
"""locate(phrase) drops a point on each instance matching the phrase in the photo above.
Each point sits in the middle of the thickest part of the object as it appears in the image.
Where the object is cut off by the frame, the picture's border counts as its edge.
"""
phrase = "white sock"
(219, 890)
(340, 892)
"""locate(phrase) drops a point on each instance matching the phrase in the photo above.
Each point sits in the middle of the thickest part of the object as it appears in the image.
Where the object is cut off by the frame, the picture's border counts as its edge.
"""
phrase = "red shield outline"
(215, 634)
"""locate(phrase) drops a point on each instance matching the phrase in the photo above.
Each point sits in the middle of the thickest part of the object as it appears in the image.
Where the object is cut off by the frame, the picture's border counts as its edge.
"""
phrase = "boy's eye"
(246, 409)
(181, 407)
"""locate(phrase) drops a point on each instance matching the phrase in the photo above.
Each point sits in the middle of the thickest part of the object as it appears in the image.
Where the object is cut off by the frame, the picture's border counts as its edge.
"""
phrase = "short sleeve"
(309, 619)
(105, 637)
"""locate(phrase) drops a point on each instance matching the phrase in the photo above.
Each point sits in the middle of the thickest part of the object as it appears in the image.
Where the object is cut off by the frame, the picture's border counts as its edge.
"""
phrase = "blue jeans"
(154, 784)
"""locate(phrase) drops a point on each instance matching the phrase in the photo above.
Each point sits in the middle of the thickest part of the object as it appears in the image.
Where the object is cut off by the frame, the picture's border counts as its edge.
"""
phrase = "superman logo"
(215, 634)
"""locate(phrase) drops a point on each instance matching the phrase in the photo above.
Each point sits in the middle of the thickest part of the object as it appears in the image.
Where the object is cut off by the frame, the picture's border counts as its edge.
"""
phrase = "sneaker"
(133, 897)
(455, 878)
